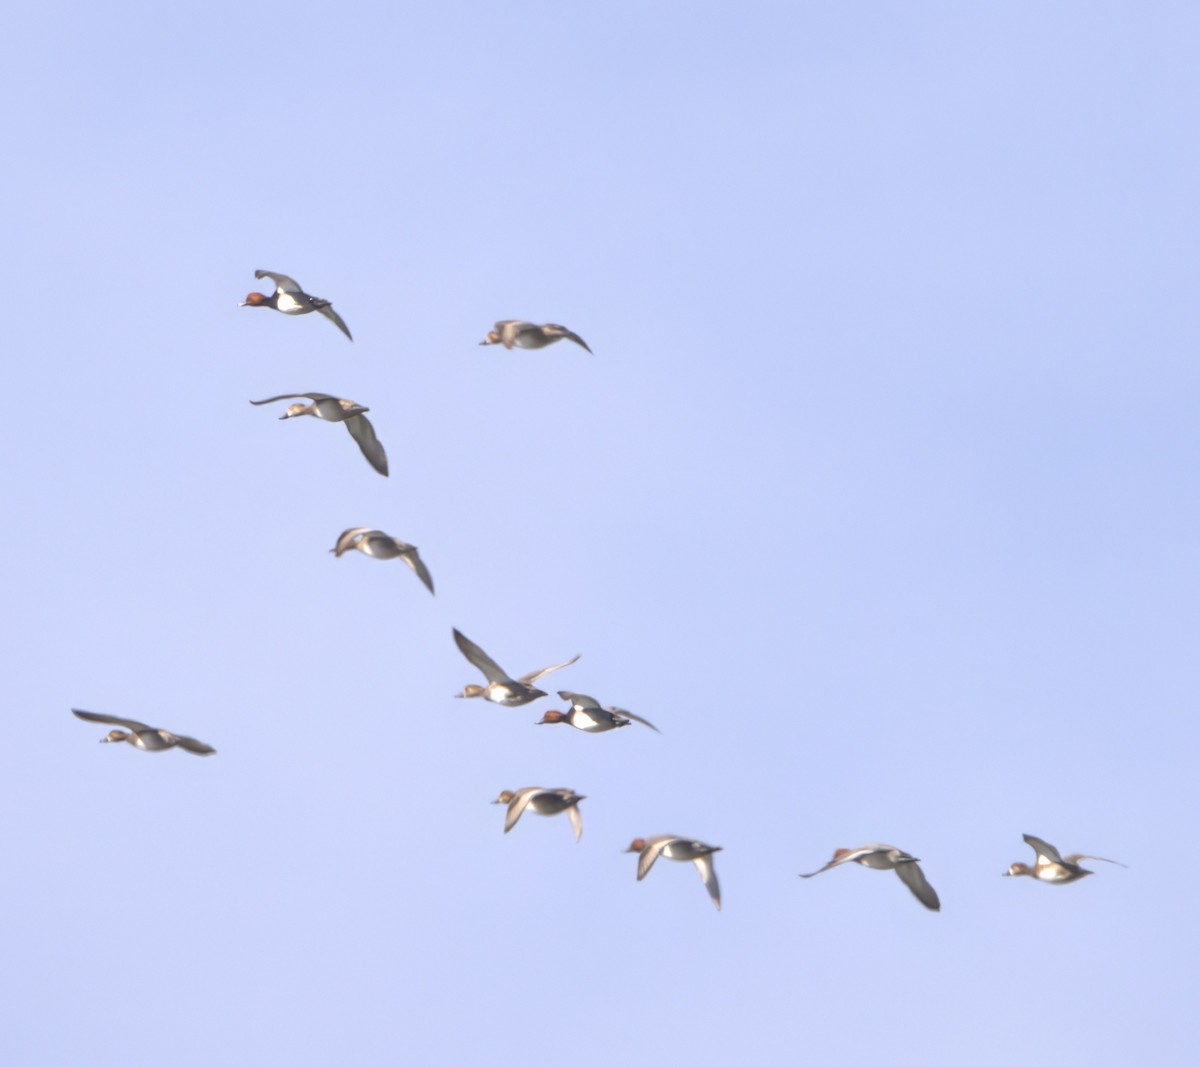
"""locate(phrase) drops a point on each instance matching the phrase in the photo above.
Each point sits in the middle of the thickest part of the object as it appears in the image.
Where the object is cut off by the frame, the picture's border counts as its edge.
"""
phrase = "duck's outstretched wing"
(479, 659)
(580, 700)
(294, 396)
(348, 539)
(708, 875)
(553, 329)
(364, 434)
(1046, 853)
(517, 806)
(576, 820)
(326, 309)
(533, 676)
(636, 718)
(192, 745)
(283, 283)
(650, 853)
(1075, 857)
(844, 856)
(409, 555)
(507, 330)
(913, 877)
(112, 720)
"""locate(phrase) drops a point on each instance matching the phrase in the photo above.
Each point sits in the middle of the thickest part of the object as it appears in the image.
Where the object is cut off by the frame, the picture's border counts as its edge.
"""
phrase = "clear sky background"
(878, 497)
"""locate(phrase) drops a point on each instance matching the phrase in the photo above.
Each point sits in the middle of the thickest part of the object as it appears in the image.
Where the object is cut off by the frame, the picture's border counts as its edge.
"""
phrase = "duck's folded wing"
(418, 567)
(913, 877)
(533, 676)
(635, 718)
(480, 659)
(708, 874)
(335, 318)
(282, 282)
(364, 433)
(112, 720)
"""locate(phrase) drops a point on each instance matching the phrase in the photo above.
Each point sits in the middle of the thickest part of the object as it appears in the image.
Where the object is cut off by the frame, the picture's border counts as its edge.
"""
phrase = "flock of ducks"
(585, 713)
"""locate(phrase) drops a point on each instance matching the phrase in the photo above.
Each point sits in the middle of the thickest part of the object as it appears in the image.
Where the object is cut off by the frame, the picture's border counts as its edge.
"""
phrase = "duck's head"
(293, 410)
(254, 300)
(1018, 869)
(472, 691)
(504, 797)
(115, 735)
(638, 844)
(552, 717)
(493, 338)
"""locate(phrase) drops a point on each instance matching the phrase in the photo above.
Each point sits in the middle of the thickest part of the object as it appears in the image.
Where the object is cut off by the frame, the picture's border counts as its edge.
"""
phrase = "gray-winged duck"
(542, 802)
(378, 545)
(1051, 867)
(292, 300)
(147, 738)
(501, 689)
(333, 409)
(586, 714)
(682, 849)
(888, 858)
(511, 332)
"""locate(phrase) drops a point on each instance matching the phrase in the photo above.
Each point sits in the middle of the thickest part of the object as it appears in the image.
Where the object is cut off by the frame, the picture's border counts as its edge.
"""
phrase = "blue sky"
(877, 497)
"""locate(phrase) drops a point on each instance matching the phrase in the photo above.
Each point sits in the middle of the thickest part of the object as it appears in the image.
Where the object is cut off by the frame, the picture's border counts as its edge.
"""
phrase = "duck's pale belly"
(289, 305)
